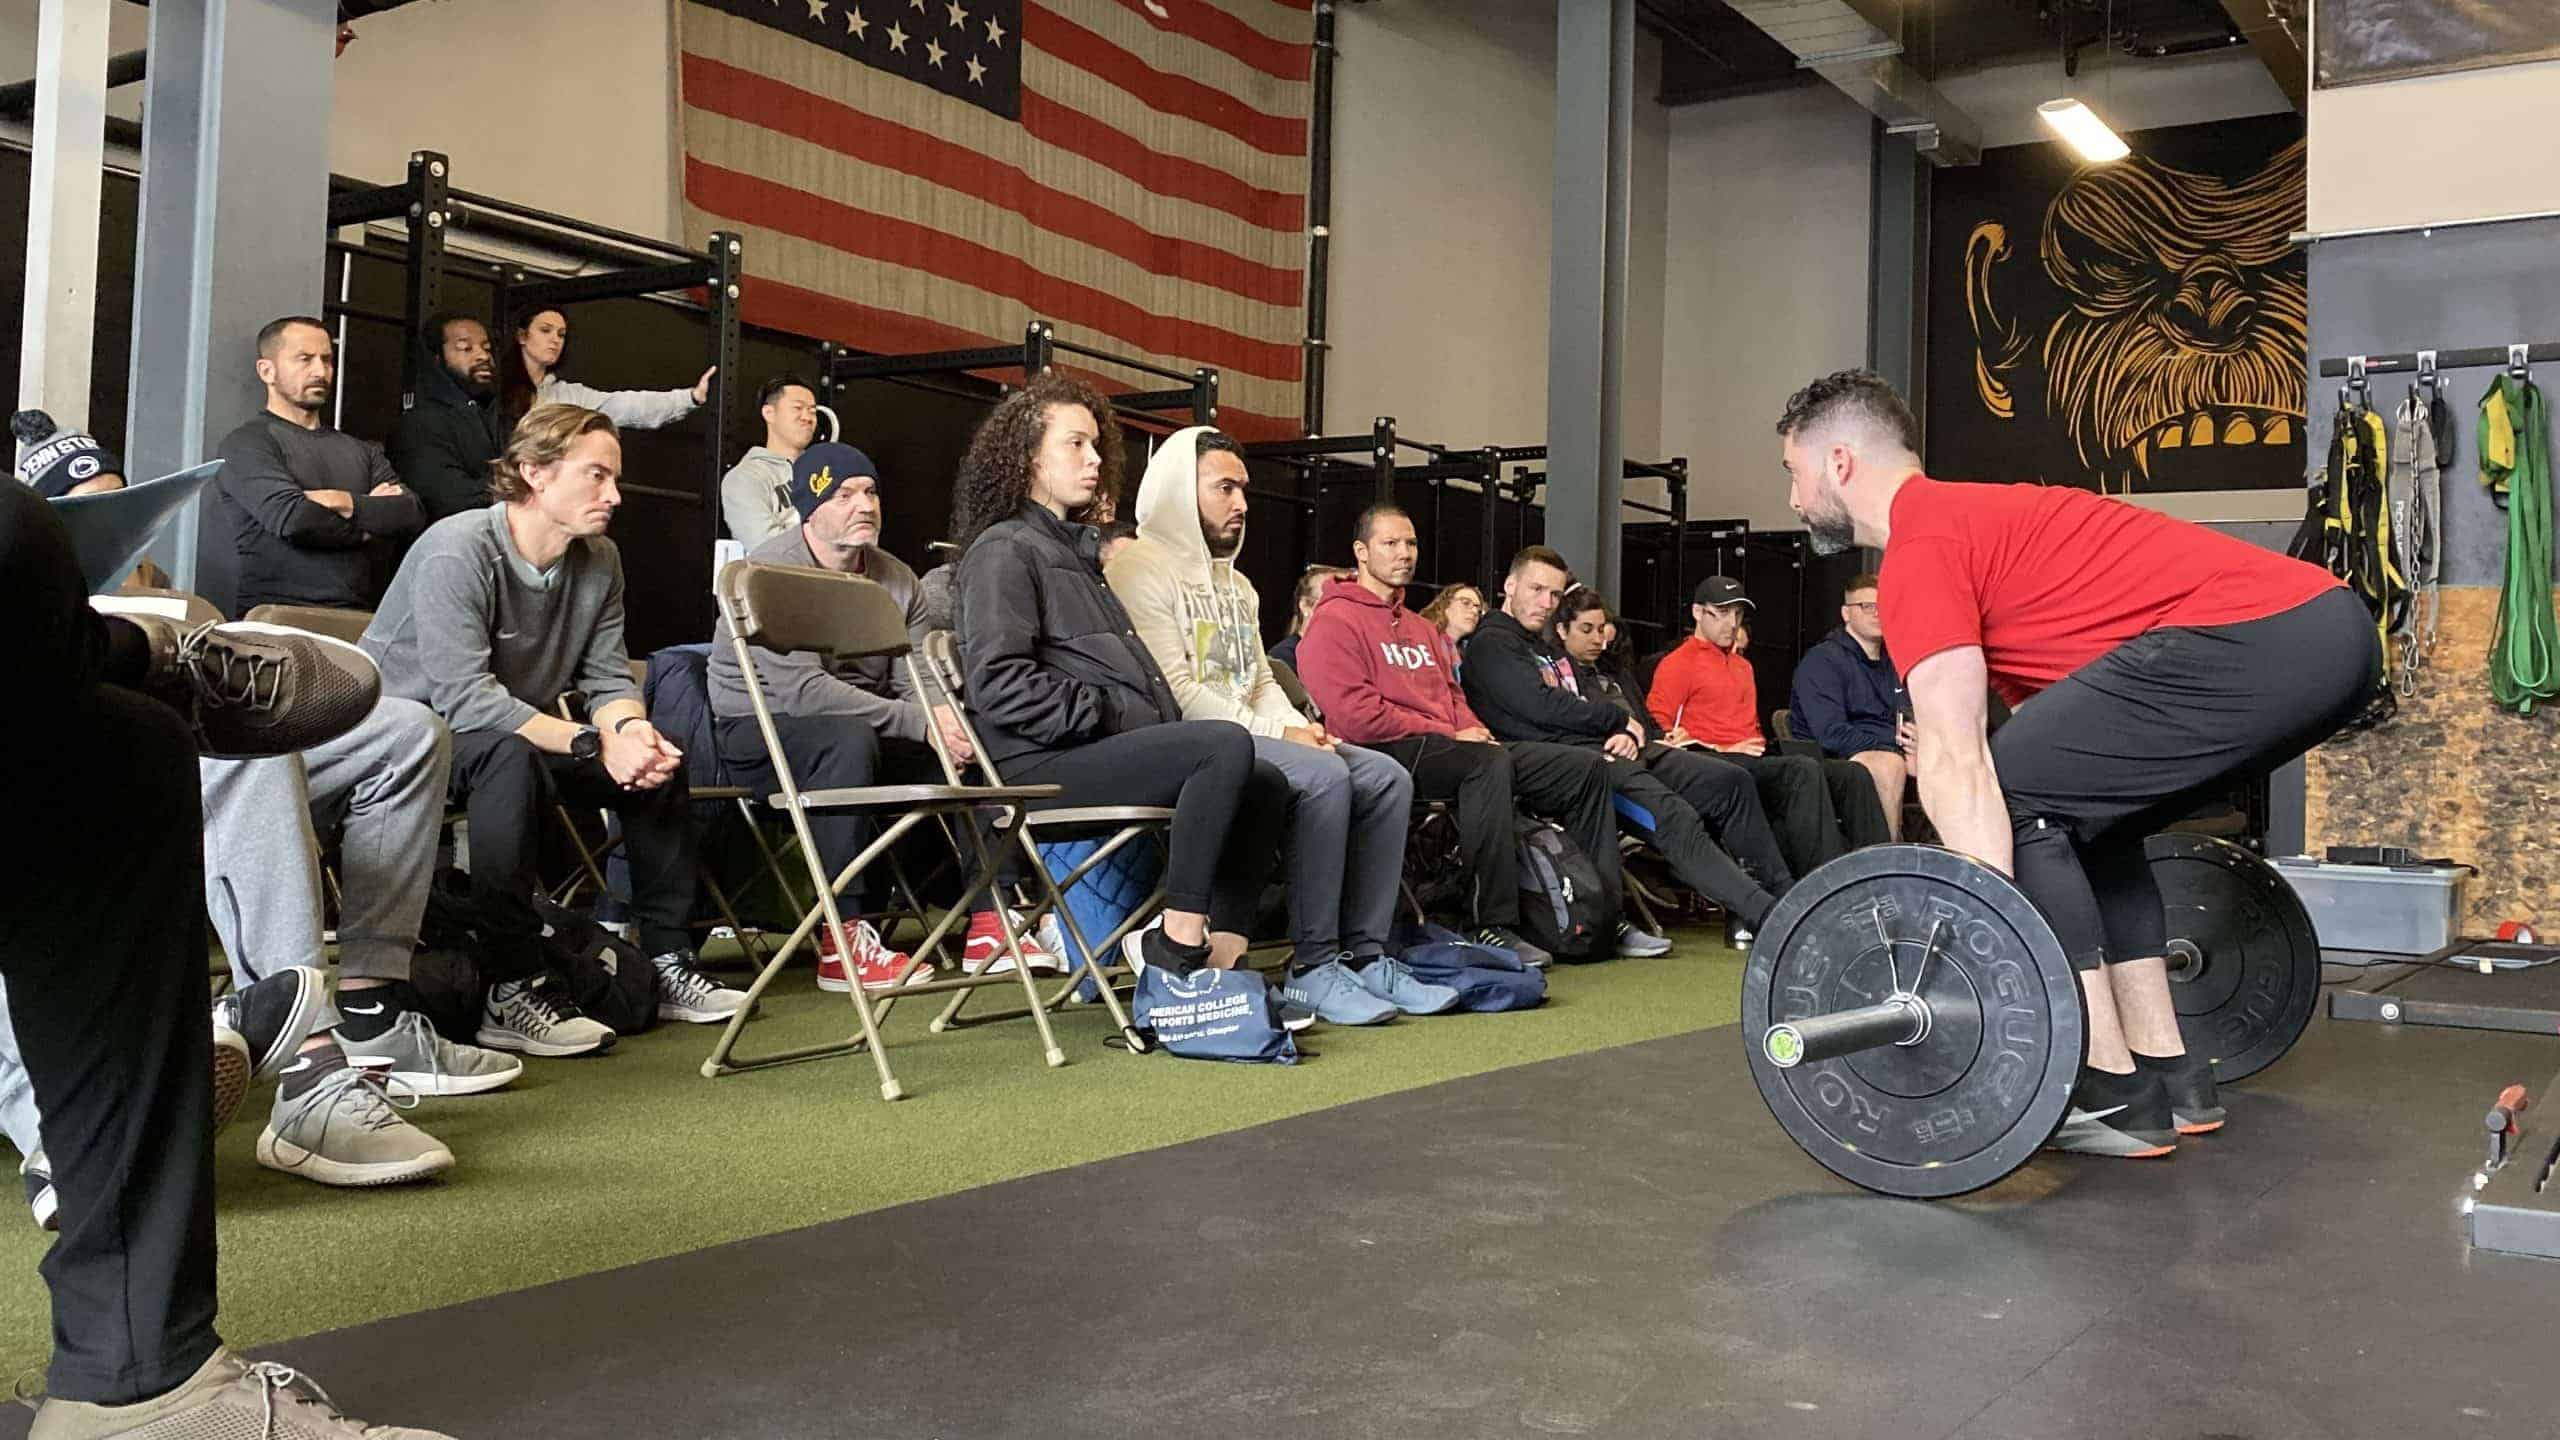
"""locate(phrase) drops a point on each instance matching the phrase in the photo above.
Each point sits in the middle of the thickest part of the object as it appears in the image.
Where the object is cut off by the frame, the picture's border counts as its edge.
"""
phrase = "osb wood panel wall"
(2452, 775)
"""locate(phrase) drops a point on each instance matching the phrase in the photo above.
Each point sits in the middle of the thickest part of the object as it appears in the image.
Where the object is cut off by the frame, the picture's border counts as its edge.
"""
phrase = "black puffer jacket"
(1520, 688)
(443, 446)
(1049, 658)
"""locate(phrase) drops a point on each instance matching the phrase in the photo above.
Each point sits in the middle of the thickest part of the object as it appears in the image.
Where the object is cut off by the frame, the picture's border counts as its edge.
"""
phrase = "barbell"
(1915, 1026)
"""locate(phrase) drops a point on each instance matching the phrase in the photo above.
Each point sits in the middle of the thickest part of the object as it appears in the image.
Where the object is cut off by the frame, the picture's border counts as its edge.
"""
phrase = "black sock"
(1173, 955)
(309, 1068)
(365, 1014)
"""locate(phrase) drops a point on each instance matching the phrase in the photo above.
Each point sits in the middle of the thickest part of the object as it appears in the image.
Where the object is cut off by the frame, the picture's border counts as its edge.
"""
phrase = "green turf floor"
(588, 1164)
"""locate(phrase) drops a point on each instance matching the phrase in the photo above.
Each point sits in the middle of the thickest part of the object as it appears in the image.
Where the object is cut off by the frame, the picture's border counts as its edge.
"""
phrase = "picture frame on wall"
(2362, 42)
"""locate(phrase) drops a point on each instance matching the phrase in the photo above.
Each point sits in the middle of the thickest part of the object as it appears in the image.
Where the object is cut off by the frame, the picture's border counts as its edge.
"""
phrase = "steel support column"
(228, 195)
(55, 339)
(1898, 266)
(1587, 288)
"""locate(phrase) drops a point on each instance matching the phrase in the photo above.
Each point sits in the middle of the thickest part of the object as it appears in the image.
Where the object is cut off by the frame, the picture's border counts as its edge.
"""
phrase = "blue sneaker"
(1333, 994)
(1390, 980)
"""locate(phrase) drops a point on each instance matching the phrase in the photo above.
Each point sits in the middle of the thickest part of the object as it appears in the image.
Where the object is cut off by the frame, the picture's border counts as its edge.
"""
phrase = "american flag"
(930, 174)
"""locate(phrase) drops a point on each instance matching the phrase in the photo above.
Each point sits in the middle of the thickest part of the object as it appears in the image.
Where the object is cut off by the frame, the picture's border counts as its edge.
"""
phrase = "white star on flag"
(897, 38)
(916, 5)
(934, 52)
(977, 72)
(995, 33)
(854, 22)
(959, 17)
(818, 10)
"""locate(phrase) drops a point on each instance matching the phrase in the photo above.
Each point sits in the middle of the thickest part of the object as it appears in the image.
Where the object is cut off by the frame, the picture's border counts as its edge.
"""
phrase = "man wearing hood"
(755, 496)
(1384, 676)
(1202, 621)
(1519, 680)
(444, 446)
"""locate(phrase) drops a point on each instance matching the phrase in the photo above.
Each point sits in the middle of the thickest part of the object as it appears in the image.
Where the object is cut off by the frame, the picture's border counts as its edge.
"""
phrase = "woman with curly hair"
(1064, 693)
(1456, 612)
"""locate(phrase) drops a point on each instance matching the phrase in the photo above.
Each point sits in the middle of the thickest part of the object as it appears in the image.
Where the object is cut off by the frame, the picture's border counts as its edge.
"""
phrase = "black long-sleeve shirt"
(292, 549)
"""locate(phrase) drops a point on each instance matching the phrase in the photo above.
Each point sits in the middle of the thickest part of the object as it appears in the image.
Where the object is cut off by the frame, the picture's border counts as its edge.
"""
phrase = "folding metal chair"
(786, 608)
(1117, 826)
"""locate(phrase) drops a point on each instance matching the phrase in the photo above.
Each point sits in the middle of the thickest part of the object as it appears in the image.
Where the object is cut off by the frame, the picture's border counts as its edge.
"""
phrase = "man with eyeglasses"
(1845, 698)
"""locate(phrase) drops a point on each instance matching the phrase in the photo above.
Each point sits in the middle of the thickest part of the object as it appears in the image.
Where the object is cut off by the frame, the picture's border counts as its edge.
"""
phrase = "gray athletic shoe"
(253, 689)
(1635, 943)
(686, 994)
(422, 1062)
(345, 1130)
(1386, 977)
(534, 1017)
(1333, 994)
(228, 1397)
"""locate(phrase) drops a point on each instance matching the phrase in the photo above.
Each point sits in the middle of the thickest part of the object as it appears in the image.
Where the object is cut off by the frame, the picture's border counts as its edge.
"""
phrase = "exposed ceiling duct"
(1835, 40)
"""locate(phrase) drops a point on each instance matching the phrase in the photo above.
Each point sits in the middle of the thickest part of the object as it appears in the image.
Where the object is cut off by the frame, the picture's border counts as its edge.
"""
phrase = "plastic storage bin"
(2395, 910)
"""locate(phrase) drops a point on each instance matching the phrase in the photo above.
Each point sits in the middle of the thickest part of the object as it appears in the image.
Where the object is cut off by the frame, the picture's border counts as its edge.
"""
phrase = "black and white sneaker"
(686, 994)
(37, 1172)
(2193, 1102)
(533, 1017)
(274, 1016)
(2126, 1116)
(1503, 937)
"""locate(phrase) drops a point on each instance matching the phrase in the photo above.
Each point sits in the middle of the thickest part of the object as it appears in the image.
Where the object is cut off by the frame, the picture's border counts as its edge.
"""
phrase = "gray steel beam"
(227, 194)
(1587, 284)
(1898, 265)
(55, 338)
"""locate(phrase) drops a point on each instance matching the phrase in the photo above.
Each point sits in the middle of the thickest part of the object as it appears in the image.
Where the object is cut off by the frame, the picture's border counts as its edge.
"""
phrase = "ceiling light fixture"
(2081, 129)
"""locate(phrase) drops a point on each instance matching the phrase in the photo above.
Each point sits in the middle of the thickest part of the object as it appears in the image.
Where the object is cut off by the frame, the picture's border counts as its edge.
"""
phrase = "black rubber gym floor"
(1620, 1243)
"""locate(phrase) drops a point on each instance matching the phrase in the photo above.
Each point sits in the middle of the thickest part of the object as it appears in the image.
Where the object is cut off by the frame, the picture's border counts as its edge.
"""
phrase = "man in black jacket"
(309, 505)
(1064, 693)
(445, 444)
(1525, 690)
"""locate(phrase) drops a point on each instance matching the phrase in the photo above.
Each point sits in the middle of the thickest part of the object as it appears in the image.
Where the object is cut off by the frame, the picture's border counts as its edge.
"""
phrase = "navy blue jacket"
(1843, 700)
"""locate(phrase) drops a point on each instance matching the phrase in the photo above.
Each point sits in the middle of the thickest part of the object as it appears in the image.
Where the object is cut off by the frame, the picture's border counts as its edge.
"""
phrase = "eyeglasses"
(1868, 605)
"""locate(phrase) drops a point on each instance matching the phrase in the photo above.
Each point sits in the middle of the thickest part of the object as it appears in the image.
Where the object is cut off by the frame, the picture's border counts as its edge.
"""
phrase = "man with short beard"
(445, 443)
(305, 501)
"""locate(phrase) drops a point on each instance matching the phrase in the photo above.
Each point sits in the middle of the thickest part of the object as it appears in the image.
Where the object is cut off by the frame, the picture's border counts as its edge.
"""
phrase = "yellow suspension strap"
(2515, 463)
(2356, 527)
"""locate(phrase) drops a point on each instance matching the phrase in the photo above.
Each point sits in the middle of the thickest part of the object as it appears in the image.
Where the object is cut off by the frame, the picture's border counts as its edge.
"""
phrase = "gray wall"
(2388, 294)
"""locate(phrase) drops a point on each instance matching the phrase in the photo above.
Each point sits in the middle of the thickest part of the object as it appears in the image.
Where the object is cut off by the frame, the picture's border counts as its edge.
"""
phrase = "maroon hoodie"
(1380, 671)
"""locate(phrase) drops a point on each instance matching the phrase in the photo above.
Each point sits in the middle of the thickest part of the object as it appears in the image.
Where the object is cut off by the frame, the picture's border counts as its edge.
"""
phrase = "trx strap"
(2415, 510)
(2355, 526)
(2515, 461)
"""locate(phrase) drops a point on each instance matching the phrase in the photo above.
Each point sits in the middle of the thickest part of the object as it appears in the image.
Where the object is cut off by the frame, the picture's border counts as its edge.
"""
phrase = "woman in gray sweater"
(531, 376)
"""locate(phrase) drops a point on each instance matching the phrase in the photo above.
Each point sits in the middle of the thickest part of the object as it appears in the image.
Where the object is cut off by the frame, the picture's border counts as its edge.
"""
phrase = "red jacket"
(1710, 692)
(1380, 671)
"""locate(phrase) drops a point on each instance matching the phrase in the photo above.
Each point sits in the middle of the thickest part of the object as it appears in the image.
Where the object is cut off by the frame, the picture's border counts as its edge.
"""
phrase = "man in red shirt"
(1705, 694)
(2166, 661)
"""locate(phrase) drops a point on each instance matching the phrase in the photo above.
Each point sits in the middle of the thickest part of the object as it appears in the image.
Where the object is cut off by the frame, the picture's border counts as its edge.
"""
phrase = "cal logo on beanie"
(820, 469)
(60, 458)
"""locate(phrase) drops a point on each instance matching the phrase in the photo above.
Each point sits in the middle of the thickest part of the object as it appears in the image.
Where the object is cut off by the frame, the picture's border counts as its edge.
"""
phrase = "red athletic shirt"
(2046, 579)
(1709, 692)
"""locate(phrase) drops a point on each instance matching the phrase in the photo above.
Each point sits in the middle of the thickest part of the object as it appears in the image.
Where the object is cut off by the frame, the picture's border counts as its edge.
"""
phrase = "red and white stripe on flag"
(929, 174)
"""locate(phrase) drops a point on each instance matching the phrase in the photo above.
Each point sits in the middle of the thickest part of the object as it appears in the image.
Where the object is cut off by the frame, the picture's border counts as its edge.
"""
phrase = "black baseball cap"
(1722, 590)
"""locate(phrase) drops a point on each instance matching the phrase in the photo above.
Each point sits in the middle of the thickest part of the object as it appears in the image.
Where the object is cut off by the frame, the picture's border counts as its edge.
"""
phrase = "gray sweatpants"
(1349, 810)
(381, 786)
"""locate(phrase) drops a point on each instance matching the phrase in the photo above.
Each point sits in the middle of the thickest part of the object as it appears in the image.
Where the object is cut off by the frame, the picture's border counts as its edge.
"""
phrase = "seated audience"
(530, 376)
(443, 447)
(104, 958)
(1384, 678)
(847, 722)
(496, 613)
(1846, 698)
(1706, 694)
(755, 496)
(1456, 611)
(304, 501)
(1348, 808)
(1302, 605)
(1062, 691)
(1518, 679)
(59, 462)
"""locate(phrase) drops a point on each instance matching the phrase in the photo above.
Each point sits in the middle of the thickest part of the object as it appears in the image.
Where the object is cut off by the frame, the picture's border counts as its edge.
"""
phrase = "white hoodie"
(1198, 617)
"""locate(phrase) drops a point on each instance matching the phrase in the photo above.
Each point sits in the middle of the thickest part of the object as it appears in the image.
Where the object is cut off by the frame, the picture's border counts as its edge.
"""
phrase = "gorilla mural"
(2132, 327)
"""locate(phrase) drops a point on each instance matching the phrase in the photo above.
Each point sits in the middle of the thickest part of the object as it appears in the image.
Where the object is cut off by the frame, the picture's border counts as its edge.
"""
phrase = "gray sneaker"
(229, 1396)
(422, 1062)
(252, 689)
(534, 1017)
(686, 994)
(346, 1131)
(1386, 977)
(1637, 943)
(1333, 994)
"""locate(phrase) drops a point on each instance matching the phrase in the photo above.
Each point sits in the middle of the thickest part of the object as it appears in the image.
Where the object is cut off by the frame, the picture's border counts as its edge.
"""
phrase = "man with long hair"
(497, 613)
(1063, 690)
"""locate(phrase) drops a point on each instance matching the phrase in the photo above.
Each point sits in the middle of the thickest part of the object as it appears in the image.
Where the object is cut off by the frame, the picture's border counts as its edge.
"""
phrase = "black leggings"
(1650, 810)
(1228, 814)
(2140, 735)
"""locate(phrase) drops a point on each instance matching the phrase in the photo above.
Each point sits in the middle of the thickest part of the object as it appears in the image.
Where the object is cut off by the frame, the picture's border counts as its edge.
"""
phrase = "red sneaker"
(984, 954)
(876, 965)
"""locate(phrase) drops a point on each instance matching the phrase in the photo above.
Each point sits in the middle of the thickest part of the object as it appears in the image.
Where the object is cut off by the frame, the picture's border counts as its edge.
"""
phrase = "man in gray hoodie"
(755, 496)
(1350, 807)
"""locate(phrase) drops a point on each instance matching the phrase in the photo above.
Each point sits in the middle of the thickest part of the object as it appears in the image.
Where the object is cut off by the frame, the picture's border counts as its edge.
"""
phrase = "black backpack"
(606, 974)
(1563, 908)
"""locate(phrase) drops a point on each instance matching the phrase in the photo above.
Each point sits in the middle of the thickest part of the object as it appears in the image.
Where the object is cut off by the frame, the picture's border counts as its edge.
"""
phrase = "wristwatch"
(587, 744)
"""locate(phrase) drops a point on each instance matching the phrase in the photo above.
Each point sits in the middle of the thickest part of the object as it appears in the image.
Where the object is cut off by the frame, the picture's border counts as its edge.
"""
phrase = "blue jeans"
(1349, 810)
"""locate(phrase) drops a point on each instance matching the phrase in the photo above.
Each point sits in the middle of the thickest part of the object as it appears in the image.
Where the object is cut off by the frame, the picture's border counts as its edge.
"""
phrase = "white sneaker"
(423, 1062)
(532, 1017)
(686, 994)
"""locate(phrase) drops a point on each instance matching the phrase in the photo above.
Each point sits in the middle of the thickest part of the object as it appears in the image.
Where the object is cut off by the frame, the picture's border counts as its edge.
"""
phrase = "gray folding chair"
(1116, 826)
(786, 608)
